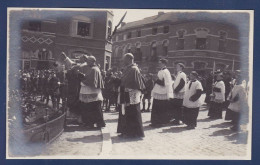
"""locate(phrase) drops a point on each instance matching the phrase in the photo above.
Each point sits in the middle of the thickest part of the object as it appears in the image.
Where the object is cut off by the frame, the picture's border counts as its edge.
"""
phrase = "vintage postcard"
(129, 84)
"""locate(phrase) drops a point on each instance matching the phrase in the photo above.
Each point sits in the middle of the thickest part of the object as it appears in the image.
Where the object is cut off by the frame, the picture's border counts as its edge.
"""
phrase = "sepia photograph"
(88, 83)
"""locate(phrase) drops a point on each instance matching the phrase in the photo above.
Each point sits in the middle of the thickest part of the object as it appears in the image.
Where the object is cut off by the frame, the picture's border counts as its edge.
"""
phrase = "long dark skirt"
(176, 111)
(160, 112)
(92, 114)
(121, 122)
(190, 116)
(133, 118)
(215, 110)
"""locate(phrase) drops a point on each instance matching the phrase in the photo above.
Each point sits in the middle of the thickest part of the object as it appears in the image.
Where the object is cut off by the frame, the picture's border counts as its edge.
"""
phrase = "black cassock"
(130, 124)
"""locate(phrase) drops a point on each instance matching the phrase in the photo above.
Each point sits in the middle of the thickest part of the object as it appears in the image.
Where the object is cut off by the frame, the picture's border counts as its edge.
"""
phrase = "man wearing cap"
(191, 101)
(178, 93)
(130, 120)
(218, 98)
(162, 93)
(91, 94)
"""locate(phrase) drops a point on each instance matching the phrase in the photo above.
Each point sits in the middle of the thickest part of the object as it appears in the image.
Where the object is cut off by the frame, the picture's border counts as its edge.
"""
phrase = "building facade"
(43, 37)
(199, 44)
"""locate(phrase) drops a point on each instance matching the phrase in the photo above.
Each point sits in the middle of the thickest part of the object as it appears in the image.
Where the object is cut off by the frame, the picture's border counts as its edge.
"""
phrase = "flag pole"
(213, 79)
(233, 64)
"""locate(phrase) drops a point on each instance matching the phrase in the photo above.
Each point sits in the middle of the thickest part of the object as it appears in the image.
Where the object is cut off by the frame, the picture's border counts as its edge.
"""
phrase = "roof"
(150, 20)
(176, 17)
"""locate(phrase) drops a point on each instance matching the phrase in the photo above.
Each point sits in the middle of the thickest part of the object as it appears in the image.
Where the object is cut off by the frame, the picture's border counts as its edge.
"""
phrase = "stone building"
(185, 37)
(45, 34)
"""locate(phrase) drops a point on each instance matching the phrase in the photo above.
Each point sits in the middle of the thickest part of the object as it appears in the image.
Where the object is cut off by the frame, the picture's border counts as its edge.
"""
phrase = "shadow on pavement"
(87, 139)
(220, 125)
(230, 135)
(238, 137)
(73, 128)
(111, 120)
(117, 139)
(206, 120)
(147, 128)
(174, 130)
(223, 132)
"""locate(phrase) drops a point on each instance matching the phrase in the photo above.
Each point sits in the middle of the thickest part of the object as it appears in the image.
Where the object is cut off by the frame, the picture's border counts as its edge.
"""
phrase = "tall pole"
(213, 80)
(233, 64)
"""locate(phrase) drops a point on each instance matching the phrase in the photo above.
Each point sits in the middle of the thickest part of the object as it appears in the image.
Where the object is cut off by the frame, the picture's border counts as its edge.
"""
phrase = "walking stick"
(213, 80)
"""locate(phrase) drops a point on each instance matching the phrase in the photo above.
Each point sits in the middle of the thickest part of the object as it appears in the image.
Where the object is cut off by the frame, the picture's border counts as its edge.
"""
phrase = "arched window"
(165, 47)
(180, 39)
(116, 52)
(153, 56)
(201, 40)
(138, 53)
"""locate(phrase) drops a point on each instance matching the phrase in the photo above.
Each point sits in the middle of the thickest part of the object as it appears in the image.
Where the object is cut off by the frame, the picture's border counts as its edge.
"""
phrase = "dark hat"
(163, 60)
(194, 73)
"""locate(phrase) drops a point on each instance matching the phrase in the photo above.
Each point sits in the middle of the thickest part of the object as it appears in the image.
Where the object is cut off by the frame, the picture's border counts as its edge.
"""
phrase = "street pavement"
(212, 139)
(76, 142)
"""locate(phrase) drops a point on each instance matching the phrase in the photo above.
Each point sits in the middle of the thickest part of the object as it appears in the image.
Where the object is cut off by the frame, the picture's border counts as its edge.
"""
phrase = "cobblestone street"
(211, 139)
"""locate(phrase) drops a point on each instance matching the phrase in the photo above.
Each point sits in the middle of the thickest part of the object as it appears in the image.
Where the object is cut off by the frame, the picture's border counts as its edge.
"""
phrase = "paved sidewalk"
(211, 139)
(76, 141)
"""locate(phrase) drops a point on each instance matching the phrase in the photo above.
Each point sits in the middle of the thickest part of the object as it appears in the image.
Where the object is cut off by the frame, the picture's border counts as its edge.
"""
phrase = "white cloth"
(163, 92)
(134, 95)
(237, 106)
(89, 94)
(219, 96)
(180, 94)
(196, 85)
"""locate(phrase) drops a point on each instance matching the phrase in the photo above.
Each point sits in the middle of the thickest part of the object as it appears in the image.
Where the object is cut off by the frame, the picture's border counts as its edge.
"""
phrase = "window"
(129, 35)
(201, 43)
(117, 38)
(199, 65)
(154, 31)
(124, 37)
(201, 40)
(222, 41)
(109, 30)
(138, 54)
(165, 47)
(153, 52)
(138, 33)
(107, 63)
(180, 39)
(83, 29)
(166, 29)
(43, 54)
(35, 26)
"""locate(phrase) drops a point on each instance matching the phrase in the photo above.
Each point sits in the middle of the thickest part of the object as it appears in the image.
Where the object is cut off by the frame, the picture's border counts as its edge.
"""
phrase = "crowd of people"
(173, 99)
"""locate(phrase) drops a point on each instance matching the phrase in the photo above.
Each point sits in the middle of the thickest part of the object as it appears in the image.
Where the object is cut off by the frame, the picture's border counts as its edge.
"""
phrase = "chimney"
(160, 13)
(123, 24)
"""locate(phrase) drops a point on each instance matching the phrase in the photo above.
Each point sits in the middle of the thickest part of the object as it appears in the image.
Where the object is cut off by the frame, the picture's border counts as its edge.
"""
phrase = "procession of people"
(86, 91)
